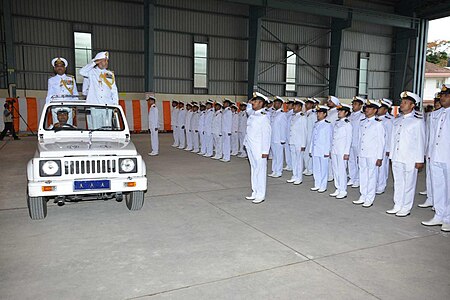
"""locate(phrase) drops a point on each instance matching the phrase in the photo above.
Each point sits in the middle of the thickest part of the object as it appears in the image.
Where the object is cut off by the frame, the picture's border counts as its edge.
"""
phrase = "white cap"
(316, 100)
(218, 102)
(259, 95)
(243, 103)
(410, 96)
(296, 100)
(322, 108)
(373, 103)
(150, 97)
(210, 101)
(345, 106)
(101, 55)
(194, 103)
(386, 102)
(229, 100)
(357, 98)
(278, 98)
(59, 60)
(334, 99)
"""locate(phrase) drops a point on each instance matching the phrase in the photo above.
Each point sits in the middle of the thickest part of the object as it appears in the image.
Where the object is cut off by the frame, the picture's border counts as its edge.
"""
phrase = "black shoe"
(16, 138)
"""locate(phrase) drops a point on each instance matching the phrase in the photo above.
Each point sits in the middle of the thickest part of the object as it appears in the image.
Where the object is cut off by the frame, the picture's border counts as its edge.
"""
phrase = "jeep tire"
(37, 207)
(135, 200)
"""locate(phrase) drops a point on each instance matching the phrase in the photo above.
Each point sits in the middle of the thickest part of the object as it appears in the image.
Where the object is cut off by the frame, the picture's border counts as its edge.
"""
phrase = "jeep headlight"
(49, 168)
(127, 165)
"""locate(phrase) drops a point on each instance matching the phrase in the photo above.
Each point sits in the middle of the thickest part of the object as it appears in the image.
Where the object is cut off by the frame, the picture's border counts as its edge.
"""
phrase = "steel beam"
(149, 46)
(254, 47)
(10, 57)
(403, 39)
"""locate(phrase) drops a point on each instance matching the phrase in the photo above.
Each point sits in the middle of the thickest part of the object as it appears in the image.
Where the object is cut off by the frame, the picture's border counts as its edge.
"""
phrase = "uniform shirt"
(174, 117)
(408, 139)
(289, 114)
(61, 85)
(311, 118)
(227, 120)
(388, 123)
(279, 125)
(188, 117)
(242, 127)
(298, 130)
(439, 142)
(216, 127)
(85, 87)
(342, 137)
(195, 121)
(153, 117)
(259, 132)
(235, 123)
(355, 119)
(201, 121)
(209, 120)
(321, 138)
(181, 117)
(371, 138)
(102, 85)
(269, 111)
(332, 115)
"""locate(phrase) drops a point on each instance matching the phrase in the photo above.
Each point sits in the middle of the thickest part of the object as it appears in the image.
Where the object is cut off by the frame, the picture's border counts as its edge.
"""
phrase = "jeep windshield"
(83, 117)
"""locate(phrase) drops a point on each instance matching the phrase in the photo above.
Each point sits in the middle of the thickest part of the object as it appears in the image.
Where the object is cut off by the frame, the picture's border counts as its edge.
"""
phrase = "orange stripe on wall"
(122, 103)
(32, 113)
(166, 115)
(136, 104)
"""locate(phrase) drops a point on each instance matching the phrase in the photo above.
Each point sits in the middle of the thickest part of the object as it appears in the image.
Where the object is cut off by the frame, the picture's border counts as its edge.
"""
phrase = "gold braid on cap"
(59, 61)
(404, 94)
(444, 88)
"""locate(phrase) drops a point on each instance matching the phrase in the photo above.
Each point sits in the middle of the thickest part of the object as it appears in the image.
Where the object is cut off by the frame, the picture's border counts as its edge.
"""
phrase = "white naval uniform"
(371, 148)
(174, 125)
(188, 129)
(297, 140)
(439, 158)
(181, 127)
(342, 140)
(353, 162)
(209, 141)
(153, 126)
(428, 164)
(61, 85)
(383, 171)
(234, 134)
(194, 131)
(257, 142)
(102, 90)
(279, 132)
(332, 117)
(311, 118)
(287, 147)
(227, 124)
(217, 133)
(407, 147)
(242, 129)
(201, 131)
(319, 147)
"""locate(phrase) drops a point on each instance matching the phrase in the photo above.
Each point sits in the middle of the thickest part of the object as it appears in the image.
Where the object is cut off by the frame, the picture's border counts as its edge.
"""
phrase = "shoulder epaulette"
(327, 121)
(346, 120)
(263, 113)
(363, 119)
(379, 120)
(418, 116)
(302, 114)
(387, 117)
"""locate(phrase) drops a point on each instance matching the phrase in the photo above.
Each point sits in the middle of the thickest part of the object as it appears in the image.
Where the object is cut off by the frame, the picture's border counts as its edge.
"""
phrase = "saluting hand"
(346, 157)
(379, 162)
(419, 166)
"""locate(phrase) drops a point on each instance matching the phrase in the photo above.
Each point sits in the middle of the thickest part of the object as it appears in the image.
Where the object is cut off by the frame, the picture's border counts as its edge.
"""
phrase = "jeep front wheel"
(135, 200)
(37, 207)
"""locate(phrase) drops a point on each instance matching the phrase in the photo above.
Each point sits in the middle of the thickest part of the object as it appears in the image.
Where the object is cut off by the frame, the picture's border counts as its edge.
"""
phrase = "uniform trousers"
(189, 139)
(339, 166)
(383, 174)
(288, 156)
(234, 143)
(320, 171)
(368, 174)
(154, 140)
(195, 140)
(405, 178)
(209, 143)
(181, 137)
(353, 165)
(176, 140)
(440, 187)
(428, 183)
(277, 158)
(241, 143)
(258, 172)
(297, 162)
(226, 140)
(307, 160)
(217, 145)
(202, 147)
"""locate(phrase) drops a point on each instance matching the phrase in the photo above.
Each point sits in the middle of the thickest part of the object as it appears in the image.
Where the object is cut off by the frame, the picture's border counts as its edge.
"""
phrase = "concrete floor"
(198, 238)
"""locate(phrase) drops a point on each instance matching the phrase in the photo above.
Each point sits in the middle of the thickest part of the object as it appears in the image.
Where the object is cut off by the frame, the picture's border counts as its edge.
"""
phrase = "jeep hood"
(85, 148)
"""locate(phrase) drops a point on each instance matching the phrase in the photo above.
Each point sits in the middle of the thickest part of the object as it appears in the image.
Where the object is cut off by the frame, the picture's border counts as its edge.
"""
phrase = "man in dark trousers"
(8, 119)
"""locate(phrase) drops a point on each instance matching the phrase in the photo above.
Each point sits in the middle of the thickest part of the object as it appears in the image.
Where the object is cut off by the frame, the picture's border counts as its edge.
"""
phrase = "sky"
(439, 29)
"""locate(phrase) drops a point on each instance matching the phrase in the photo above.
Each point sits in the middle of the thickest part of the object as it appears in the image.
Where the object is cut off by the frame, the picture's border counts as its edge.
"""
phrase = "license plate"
(82, 185)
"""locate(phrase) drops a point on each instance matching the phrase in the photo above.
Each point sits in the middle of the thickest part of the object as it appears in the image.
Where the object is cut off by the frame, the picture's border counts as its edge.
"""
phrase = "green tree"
(437, 52)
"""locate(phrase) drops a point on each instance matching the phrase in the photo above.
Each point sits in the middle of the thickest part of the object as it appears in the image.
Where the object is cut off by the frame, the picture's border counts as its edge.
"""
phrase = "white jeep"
(84, 153)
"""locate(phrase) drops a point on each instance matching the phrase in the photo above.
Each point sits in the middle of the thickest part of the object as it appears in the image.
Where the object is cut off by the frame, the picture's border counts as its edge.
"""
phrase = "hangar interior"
(196, 236)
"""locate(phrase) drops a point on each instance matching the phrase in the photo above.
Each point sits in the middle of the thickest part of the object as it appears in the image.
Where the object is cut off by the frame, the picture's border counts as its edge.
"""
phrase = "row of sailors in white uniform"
(211, 127)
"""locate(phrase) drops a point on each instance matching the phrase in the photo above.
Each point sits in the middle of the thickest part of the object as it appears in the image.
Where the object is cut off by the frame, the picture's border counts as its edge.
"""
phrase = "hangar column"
(254, 47)
(149, 46)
